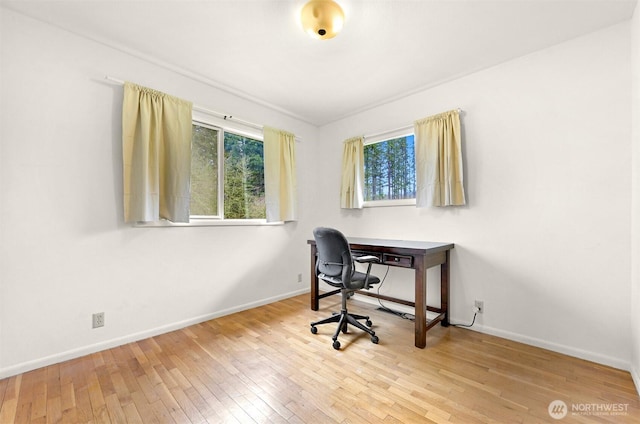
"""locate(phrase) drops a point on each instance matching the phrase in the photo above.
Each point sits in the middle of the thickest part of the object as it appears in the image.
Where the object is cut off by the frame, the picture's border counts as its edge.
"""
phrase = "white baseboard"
(635, 374)
(555, 347)
(108, 344)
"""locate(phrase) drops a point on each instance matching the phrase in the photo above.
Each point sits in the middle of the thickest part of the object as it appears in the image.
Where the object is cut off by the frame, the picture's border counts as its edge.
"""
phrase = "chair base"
(344, 319)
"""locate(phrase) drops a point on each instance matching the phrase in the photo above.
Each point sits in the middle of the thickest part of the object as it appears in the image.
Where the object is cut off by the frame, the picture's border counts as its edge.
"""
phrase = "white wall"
(544, 240)
(635, 193)
(65, 251)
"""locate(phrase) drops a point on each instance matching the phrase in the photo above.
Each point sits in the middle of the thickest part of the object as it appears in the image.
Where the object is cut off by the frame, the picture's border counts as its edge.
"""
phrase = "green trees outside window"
(243, 175)
(243, 178)
(390, 169)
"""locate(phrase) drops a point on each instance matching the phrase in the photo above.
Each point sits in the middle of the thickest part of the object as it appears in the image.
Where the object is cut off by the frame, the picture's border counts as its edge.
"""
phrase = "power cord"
(475, 314)
(402, 315)
(411, 317)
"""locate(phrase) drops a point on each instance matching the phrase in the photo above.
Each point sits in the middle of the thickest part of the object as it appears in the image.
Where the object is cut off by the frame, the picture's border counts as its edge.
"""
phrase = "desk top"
(423, 246)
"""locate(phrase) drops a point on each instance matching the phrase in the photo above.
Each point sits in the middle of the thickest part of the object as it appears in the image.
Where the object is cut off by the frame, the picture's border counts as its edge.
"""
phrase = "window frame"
(221, 125)
(379, 138)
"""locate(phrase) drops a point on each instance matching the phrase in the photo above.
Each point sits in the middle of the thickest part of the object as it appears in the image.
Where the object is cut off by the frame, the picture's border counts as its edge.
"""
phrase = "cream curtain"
(280, 185)
(156, 148)
(439, 179)
(352, 187)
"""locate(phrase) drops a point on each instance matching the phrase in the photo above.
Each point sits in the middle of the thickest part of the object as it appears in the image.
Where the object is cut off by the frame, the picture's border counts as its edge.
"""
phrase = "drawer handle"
(396, 259)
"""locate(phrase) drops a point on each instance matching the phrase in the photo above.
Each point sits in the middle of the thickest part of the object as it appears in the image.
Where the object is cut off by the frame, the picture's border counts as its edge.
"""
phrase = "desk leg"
(314, 279)
(444, 290)
(421, 302)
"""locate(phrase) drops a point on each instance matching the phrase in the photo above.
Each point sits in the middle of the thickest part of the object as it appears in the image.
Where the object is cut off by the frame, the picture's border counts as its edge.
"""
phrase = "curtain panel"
(352, 185)
(280, 184)
(156, 149)
(439, 180)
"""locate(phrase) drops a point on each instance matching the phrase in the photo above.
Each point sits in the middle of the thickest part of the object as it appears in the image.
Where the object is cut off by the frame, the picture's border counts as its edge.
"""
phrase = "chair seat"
(357, 280)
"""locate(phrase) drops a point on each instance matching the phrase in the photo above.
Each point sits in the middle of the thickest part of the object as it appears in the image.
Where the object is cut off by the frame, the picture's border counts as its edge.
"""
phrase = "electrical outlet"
(479, 306)
(98, 320)
(299, 278)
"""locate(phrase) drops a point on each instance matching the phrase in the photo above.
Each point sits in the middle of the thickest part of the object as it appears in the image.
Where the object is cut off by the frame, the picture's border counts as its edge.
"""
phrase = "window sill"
(203, 222)
(385, 203)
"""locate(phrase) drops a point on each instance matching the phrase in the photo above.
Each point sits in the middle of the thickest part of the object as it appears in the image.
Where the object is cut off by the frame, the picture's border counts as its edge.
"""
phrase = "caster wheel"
(374, 339)
(344, 329)
(369, 323)
(336, 345)
(314, 330)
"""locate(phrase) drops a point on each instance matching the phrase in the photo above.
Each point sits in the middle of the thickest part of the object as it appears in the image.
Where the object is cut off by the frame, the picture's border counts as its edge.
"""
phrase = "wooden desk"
(418, 255)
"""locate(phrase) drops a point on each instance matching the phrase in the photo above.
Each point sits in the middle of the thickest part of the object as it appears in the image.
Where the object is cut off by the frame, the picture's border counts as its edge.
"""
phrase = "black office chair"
(335, 266)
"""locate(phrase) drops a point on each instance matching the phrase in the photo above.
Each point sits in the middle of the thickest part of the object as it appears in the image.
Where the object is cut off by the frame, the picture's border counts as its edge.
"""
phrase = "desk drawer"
(397, 260)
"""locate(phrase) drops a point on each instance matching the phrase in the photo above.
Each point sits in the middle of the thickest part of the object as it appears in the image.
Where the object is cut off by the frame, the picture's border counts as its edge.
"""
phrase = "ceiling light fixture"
(322, 19)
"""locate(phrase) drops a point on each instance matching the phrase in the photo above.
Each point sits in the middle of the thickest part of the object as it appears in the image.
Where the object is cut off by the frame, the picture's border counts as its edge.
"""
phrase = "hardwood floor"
(265, 366)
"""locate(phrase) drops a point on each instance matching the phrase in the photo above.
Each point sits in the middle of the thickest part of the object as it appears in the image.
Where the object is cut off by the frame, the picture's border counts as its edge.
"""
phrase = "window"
(227, 175)
(389, 170)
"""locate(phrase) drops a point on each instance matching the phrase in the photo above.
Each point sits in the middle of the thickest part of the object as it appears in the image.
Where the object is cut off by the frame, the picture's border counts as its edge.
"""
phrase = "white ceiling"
(387, 49)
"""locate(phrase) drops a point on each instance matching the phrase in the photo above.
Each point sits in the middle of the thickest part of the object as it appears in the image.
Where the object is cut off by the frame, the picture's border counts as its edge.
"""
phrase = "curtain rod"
(204, 110)
(406, 127)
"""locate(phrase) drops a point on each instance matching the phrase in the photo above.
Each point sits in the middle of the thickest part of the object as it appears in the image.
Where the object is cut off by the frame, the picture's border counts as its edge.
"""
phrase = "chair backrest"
(334, 255)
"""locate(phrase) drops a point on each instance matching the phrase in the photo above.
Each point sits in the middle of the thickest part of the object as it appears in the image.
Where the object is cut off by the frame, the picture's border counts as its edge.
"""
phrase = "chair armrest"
(366, 259)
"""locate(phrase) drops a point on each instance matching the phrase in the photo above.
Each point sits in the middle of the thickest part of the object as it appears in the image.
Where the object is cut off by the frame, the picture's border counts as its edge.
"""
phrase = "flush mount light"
(322, 19)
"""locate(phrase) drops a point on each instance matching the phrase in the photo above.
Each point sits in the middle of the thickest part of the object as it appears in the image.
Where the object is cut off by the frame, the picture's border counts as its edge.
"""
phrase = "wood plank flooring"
(265, 366)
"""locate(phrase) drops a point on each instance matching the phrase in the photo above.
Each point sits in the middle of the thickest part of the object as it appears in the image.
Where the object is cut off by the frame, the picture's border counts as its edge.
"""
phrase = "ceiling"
(388, 48)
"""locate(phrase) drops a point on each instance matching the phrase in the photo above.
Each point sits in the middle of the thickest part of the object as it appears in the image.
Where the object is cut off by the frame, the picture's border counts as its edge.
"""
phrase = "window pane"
(243, 178)
(390, 169)
(204, 171)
